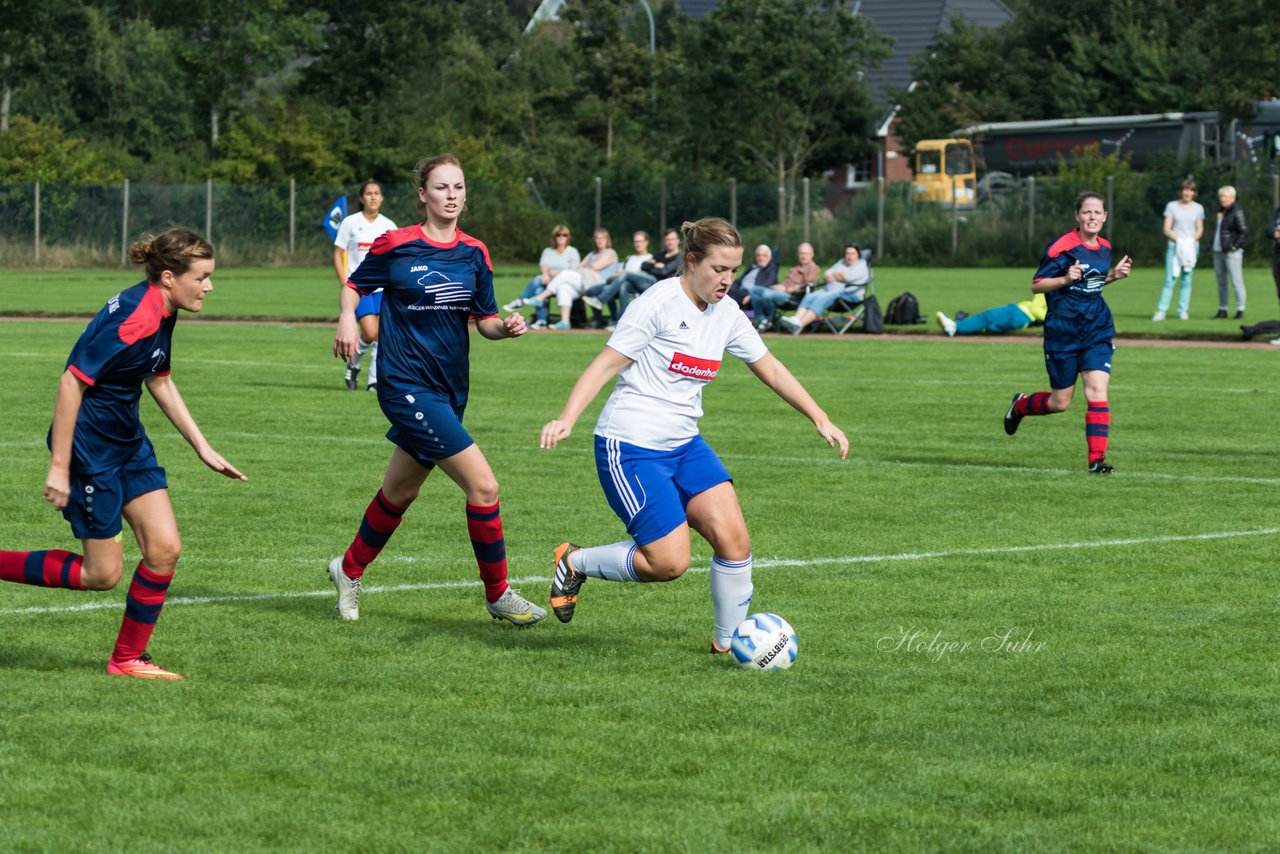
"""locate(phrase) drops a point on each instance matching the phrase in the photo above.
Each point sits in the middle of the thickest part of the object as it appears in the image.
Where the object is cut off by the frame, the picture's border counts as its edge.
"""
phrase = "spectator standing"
(1228, 250)
(765, 301)
(1183, 226)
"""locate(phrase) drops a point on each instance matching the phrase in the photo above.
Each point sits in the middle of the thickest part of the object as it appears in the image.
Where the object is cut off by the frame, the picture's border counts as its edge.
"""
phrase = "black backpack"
(872, 316)
(1266, 327)
(903, 310)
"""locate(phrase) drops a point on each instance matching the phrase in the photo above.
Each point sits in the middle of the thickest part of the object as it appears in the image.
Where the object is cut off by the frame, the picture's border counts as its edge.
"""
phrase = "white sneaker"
(514, 608)
(948, 325)
(1276, 341)
(538, 324)
(790, 322)
(1158, 316)
(348, 590)
(1182, 315)
(593, 302)
(514, 305)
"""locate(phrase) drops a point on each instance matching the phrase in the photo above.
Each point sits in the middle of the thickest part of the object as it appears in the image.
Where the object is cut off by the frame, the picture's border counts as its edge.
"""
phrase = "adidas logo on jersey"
(684, 325)
(692, 366)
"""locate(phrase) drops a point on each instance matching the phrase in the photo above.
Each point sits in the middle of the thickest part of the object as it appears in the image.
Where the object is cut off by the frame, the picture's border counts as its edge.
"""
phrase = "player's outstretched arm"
(603, 368)
(775, 375)
(496, 328)
(57, 483)
(166, 395)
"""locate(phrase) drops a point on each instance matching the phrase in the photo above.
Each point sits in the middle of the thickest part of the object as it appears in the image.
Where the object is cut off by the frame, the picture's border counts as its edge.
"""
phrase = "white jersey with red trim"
(676, 350)
(356, 234)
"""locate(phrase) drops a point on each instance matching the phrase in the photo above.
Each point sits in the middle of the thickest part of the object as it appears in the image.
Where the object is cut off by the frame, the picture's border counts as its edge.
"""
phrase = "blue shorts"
(370, 304)
(1064, 366)
(649, 489)
(97, 500)
(426, 426)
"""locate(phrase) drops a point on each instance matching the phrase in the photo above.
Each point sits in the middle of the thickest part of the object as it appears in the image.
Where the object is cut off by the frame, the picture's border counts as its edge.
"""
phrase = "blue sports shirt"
(128, 341)
(429, 293)
(1078, 316)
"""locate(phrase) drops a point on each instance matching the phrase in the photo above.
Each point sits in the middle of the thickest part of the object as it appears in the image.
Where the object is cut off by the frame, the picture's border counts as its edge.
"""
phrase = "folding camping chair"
(850, 305)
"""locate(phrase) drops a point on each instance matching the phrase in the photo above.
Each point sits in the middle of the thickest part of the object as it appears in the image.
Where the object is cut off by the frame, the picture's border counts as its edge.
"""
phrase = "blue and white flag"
(337, 213)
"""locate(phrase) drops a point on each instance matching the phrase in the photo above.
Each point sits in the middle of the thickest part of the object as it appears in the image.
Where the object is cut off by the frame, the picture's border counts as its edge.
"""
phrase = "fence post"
(806, 210)
(733, 202)
(879, 217)
(37, 222)
(1031, 209)
(293, 214)
(1111, 214)
(1275, 191)
(208, 210)
(124, 228)
(782, 209)
(662, 219)
(598, 185)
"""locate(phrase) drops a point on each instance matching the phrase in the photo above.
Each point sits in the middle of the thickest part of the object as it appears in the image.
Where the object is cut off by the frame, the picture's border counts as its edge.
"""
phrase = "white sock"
(355, 363)
(373, 362)
(731, 592)
(611, 562)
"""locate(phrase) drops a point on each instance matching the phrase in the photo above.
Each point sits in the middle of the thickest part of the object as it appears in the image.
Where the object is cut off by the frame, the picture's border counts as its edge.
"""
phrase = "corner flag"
(337, 213)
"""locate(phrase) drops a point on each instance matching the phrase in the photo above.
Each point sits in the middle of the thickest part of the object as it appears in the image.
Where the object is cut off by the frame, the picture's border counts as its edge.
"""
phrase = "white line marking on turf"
(759, 564)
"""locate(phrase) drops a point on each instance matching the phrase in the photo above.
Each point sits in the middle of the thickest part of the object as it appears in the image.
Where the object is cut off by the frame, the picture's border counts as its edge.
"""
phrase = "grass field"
(1117, 690)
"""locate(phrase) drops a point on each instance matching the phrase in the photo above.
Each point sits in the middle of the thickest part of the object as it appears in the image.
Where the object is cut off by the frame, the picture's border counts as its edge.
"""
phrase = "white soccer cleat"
(948, 325)
(348, 590)
(514, 608)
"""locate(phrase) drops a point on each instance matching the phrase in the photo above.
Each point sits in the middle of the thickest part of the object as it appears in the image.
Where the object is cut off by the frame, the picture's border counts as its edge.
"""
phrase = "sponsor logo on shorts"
(692, 366)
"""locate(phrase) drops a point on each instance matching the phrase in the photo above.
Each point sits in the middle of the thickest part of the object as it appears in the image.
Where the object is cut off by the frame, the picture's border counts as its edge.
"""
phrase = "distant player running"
(1077, 329)
(658, 474)
(102, 465)
(435, 280)
(355, 235)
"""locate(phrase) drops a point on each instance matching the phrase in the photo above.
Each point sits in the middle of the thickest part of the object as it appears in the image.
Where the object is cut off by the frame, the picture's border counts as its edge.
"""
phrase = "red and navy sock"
(52, 568)
(1036, 403)
(484, 525)
(1097, 427)
(381, 518)
(141, 610)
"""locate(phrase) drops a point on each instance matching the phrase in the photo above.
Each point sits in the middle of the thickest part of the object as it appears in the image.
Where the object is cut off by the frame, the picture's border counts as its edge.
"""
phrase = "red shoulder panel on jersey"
(395, 237)
(145, 319)
(1066, 242)
(471, 241)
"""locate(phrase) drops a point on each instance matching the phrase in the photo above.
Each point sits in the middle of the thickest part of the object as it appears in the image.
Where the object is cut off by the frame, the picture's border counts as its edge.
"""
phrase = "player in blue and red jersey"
(1078, 328)
(102, 465)
(435, 280)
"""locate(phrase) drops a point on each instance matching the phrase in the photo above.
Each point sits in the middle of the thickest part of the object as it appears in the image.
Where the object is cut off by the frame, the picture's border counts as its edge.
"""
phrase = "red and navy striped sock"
(484, 525)
(141, 610)
(381, 518)
(1097, 428)
(1036, 403)
(52, 568)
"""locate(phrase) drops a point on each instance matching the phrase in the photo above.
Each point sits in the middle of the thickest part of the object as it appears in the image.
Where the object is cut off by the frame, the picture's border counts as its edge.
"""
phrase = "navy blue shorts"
(369, 304)
(97, 500)
(1064, 367)
(649, 490)
(426, 426)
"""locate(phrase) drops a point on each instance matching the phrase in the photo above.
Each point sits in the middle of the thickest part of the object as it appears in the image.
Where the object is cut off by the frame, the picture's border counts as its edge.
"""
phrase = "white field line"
(763, 563)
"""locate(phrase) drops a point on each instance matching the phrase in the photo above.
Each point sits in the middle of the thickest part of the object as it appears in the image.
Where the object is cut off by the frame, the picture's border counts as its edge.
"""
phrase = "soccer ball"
(764, 642)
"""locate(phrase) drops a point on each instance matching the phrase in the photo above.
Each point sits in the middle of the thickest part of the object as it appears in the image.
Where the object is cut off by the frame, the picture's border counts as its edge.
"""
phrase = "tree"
(777, 82)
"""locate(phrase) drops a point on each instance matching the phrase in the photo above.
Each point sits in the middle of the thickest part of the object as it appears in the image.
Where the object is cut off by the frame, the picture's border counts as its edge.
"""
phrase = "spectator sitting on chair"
(995, 321)
(657, 268)
(763, 273)
(597, 296)
(765, 301)
(567, 285)
(556, 257)
(847, 278)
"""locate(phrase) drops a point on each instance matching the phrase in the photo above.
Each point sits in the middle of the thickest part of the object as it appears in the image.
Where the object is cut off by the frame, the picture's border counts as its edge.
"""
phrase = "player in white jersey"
(355, 235)
(658, 474)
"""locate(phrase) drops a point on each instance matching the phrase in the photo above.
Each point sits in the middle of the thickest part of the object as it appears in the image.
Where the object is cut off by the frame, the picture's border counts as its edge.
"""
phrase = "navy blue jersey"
(1078, 316)
(128, 341)
(430, 292)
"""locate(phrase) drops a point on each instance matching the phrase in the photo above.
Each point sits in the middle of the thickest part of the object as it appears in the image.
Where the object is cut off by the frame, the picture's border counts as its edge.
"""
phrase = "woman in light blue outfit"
(557, 257)
(846, 278)
(1184, 226)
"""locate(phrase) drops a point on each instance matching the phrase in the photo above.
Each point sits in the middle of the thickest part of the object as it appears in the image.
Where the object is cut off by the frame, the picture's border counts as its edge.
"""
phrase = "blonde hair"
(171, 250)
(557, 230)
(701, 236)
(424, 169)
